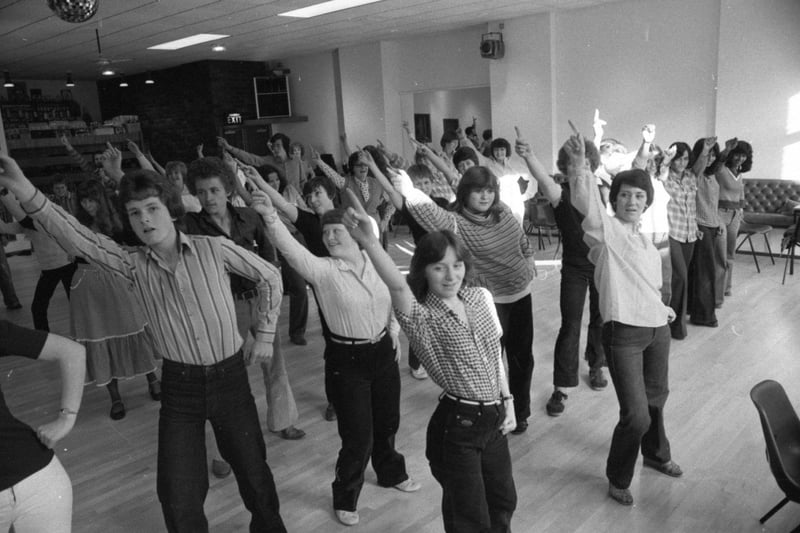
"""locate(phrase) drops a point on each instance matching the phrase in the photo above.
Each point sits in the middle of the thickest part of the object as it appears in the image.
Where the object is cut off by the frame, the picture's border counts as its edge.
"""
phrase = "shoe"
(155, 390)
(14, 307)
(348, 518)
(409, 485)
(292, 433)
(522, 427)
(330, 413)
(669, 468)
(117, 410)
(419, 373)
(298, 340)
(220, 468)
(555, 405)
(621, 496)
(597, 381)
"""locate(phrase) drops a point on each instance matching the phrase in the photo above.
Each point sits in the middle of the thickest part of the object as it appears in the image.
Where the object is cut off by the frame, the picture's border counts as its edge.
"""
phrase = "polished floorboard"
(558, 464)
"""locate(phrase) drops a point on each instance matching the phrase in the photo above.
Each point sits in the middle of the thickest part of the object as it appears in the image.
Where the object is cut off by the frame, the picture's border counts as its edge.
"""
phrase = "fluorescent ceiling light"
(108, 72)
(325, 7)
(187, 41)
(217, 48)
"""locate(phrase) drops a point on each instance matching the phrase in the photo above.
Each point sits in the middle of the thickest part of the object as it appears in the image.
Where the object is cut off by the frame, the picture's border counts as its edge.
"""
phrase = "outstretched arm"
(702, 160)
(275, 197)
(158, 168)
(648, 135)
(548, 186)
(334, 176)
(140, 157)
(359, 224)
(71, 358)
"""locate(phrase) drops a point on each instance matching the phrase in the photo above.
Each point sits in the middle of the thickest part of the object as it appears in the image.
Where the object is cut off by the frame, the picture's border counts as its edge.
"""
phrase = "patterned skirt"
(107, 319)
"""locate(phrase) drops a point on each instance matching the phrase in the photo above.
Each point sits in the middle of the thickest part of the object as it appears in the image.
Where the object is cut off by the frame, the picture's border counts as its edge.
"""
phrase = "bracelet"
(65, 411)
(509, 397)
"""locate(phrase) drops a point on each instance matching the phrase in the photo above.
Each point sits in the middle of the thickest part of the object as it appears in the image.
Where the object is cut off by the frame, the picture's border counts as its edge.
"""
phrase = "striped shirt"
(463, 359)
(682, 208)
(502, 254)
(190, 310)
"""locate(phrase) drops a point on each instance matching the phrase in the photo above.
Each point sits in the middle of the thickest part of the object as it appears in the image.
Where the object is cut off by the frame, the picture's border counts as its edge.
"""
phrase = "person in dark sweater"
(35, 490)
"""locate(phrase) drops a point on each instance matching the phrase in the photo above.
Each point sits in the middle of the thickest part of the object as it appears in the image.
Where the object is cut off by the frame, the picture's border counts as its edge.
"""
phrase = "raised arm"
(335, 177)
(598, 126)
(112, 163)
(71, 359)
(391, 193)
(446, 170)
(584, 194)
(424, 210)
(276, 198)
(345, 146)
(648, 135)
(242, 155)
(140, 157)
(702, 160)
(76, 155)
(548, 186)
(239, 188)
(158, 168)
(74, 237)
(360, 226)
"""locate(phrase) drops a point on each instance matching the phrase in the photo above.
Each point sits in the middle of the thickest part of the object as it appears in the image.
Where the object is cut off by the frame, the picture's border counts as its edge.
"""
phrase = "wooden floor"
(558, 464)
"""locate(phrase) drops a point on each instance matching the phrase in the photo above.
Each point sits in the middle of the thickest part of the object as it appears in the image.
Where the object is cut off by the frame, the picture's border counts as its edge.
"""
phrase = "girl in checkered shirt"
(456, 333)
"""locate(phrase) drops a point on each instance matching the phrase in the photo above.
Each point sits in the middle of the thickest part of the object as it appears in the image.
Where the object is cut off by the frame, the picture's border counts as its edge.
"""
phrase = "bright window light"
(325, 7)
(793, 116)
(187, 41)
(790, 165)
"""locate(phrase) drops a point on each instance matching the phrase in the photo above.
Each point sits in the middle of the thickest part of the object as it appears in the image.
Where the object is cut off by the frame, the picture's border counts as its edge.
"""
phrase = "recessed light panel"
(325, 7)
(188, 41)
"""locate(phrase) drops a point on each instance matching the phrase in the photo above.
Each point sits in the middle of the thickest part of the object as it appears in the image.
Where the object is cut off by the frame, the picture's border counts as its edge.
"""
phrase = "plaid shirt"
(682, 208)
(463, 359)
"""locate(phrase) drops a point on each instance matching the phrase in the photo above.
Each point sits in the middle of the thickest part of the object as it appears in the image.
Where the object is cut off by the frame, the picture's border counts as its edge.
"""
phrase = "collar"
(184, 244)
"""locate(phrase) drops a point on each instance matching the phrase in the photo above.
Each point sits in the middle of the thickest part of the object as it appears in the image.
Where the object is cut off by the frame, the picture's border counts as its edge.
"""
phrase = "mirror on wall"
(436, 111)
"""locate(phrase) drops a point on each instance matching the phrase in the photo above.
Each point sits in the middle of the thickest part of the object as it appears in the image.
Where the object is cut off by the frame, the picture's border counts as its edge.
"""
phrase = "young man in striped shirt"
(184, 287)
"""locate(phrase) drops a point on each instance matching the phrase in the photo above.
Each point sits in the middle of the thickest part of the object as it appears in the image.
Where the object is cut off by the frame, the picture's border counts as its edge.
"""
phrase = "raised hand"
(199, 150)
(134, 148)
(112, 158)
(314, 154)
(65, 141)
(365, 157)
(521, 146)
(10, 173)
(648, 133)
(261, 203)
(357, 221)
(709, 143)
(222, 143)
(406, 128)
(400, 181)
(669, 154)
(730, 144)
(598, 125)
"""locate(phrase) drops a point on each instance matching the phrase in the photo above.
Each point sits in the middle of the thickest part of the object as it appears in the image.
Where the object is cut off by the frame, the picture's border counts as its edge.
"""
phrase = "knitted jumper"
(500, 250)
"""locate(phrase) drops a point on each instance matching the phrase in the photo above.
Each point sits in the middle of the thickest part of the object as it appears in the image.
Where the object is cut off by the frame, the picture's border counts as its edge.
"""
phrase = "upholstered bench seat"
(770, 202)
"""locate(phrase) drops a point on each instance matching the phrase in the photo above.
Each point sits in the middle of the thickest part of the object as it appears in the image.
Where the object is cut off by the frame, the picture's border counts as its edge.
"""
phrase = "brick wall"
(186, 106)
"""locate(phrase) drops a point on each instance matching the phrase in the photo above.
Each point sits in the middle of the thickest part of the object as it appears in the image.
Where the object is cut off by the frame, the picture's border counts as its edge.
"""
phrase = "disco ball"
(73, 10)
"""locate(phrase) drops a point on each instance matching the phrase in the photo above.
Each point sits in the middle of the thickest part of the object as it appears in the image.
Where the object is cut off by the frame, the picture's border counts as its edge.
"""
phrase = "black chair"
(782, 434)
(539, 216)
(748, 230)
(791, 240)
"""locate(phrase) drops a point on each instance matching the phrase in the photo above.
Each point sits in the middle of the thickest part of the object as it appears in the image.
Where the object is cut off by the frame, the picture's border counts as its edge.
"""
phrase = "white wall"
(362, 93)
(462, 104)
(759, 82)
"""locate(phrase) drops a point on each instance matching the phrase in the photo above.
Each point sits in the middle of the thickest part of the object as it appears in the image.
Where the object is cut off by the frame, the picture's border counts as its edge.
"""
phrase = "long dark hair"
(477, 179)
(106, 220)
(697, 149)
(431, 248)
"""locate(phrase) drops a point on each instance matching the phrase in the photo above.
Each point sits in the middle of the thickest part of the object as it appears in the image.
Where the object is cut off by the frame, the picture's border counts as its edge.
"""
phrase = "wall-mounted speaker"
(492, 46)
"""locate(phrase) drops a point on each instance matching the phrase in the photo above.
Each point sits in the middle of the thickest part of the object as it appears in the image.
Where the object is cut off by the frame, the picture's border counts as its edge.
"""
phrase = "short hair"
(419, 172)
(592, 155)
(448, 137)
(286, 142)
(501, 143)
(635, 177)
(141, 184)
(321, 182)
(210, 167)
(180, 166)
(298, 145)
(465, 153)
(377, 156)
(431, 248)
(470, 130)
(334, 216)
(487, 134)
(266, 170)
(476, 179)
(697, 149)
(58, 179)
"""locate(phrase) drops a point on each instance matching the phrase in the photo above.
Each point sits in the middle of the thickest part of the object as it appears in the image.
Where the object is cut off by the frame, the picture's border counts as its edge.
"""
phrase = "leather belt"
(447, 395)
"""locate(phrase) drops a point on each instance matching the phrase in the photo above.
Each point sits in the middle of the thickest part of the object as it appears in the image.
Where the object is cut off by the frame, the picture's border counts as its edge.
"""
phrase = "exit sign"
(233, 118)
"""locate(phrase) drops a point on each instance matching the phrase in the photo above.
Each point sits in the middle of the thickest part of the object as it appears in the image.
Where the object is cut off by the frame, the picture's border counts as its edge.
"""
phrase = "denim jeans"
(516, 319)
(6, 283)
(469, 458)
(45, 287)
(364, 385)
(638, 360)
(295, 286)
(574, 282)
(40, 502)
(220, 393)
(702, 270)
(681, 255)
(731, 219)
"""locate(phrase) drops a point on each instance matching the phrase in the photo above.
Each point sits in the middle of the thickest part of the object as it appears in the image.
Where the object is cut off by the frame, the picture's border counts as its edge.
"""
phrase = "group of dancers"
(203, 283)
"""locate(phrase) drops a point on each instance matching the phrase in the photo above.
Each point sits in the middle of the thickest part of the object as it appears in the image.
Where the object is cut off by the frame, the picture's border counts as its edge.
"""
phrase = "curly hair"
(210, 167)
(142, 184)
